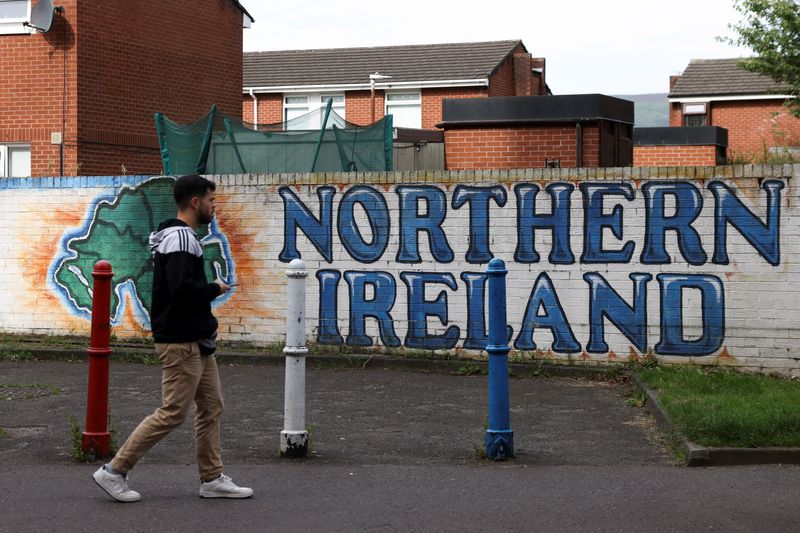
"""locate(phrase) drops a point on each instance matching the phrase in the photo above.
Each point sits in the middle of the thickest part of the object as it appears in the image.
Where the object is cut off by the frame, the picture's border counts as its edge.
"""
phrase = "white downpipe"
(294, 437)
(255, 109)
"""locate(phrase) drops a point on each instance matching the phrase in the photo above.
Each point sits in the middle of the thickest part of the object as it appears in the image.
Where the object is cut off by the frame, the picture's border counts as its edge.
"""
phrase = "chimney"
(539, 84)
(522, 74)
(672, 81)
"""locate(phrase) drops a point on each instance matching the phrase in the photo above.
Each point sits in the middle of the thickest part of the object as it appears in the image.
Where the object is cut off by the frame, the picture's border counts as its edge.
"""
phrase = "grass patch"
(726, 408)
(3, 433)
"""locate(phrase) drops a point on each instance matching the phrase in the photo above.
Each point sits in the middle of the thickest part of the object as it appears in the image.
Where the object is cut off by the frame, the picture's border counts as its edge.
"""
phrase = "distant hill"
(649, 109)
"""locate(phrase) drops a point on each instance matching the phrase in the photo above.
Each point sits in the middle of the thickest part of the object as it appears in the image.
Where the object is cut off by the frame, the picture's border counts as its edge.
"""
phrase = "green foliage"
(724, 408)
(76, 439)
(771, 28)
(470, 369)
(12, 354)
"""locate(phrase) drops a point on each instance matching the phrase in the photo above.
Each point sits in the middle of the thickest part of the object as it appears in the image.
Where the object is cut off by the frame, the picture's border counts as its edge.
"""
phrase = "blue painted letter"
(544, 296)
(594, 221)
(329, 307)
(688, 204)
(412, 222)
(478, 199)
(419, 309)
(730, 210)
(557, 221)
(378, 307)
(377, 214)
(672, 340)
(297, 216)
(604, 302)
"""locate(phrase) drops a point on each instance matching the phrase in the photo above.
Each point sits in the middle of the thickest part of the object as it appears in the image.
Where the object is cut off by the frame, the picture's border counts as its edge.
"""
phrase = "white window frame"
(388, 104)
(16, 26)
(313, 102)
(5, 166)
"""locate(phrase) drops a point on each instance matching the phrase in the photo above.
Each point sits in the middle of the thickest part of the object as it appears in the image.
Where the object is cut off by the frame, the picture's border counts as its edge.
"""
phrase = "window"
(695, 114)
(295, 106)
(406, 109)
(14, 10)
(12, 15)
(15, 160)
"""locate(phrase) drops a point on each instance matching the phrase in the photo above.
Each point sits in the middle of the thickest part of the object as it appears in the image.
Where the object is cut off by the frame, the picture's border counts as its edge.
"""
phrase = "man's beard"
(205, 218)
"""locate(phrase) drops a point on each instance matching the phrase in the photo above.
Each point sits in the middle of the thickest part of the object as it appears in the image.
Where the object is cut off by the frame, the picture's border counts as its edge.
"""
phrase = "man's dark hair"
(187, 187)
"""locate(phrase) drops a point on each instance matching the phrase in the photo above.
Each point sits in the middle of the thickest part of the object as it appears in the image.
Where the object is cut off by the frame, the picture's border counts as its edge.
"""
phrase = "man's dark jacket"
(182, 295)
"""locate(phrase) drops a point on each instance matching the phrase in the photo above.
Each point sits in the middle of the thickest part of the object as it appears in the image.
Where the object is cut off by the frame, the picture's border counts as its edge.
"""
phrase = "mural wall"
(604, 264)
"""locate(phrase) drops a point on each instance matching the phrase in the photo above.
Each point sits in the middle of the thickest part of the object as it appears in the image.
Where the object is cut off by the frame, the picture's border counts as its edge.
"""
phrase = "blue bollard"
(499, 437)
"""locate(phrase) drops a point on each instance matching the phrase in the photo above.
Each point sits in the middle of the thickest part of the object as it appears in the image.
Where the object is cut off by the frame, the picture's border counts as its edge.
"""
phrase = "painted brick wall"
(518, 147)
(124, 62)
(605, 277)
(663, 156)
(37, 91)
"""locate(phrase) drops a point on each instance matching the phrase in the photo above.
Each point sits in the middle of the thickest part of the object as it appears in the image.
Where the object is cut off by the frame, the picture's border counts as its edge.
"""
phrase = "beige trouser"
(186, 376)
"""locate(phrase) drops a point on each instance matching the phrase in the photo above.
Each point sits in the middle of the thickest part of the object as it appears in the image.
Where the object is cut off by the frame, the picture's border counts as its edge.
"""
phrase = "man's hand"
(223, 287)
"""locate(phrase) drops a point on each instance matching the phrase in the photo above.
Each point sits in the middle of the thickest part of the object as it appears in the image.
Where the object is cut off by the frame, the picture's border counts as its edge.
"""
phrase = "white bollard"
(294, 437)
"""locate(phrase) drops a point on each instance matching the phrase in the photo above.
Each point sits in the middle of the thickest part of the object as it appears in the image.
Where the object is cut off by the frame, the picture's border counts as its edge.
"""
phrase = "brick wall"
(137, 58)
(270, 108)
(124, 62)
(501, 82)
(753, 126)
(662, 156)
(432, 102)
(518, 147)
(576, 291)
(756, 125)
(358, 107)
(37, 91)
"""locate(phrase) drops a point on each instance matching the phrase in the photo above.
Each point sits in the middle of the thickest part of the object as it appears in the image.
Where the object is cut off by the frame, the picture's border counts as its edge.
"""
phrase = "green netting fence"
(320, 141)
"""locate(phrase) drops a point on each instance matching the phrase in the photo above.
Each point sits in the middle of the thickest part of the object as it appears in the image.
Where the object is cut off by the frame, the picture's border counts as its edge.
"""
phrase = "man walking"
(184, 331)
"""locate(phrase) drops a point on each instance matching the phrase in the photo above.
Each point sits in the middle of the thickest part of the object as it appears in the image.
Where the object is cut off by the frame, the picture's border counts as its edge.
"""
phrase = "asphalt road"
(392, 451)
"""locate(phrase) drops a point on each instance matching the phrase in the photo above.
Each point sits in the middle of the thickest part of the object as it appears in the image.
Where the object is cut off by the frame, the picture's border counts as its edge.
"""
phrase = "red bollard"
(96, 438)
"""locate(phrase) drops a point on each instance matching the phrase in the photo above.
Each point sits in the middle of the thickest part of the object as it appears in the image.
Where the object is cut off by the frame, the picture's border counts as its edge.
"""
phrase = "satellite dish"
(41, 16)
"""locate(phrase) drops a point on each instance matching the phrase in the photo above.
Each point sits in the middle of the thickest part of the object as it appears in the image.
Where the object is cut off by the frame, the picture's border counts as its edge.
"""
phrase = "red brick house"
(80, 98)
(718, 92)
(282, 85)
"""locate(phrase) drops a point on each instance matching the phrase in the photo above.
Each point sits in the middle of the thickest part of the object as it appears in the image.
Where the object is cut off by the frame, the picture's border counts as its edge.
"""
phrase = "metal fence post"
(499, 437)
(294, 437)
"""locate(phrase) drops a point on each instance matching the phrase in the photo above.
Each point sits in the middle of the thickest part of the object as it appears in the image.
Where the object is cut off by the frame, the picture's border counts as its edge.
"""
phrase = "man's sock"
(111, 470)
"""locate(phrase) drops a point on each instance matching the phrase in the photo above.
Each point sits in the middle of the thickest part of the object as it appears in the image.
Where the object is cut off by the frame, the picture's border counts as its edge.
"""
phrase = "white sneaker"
(116, 485)
(223, 487)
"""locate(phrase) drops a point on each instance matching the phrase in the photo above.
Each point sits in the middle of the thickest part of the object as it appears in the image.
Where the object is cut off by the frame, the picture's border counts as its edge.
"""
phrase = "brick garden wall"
(692, 264)
(518, 147)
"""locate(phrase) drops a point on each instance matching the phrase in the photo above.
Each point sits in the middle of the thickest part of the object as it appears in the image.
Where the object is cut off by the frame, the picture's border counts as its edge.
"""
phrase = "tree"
(771, 29)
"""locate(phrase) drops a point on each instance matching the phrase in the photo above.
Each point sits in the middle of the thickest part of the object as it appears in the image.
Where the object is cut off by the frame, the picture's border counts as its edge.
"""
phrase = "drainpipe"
(578, 145)
(255, 109)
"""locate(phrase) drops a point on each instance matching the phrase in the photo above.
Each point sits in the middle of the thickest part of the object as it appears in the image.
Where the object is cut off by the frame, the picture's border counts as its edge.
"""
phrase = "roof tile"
(710, 77)
(455, 61)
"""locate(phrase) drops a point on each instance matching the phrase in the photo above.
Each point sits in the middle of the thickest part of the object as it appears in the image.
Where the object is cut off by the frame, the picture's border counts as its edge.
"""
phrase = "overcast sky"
(591, 46)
